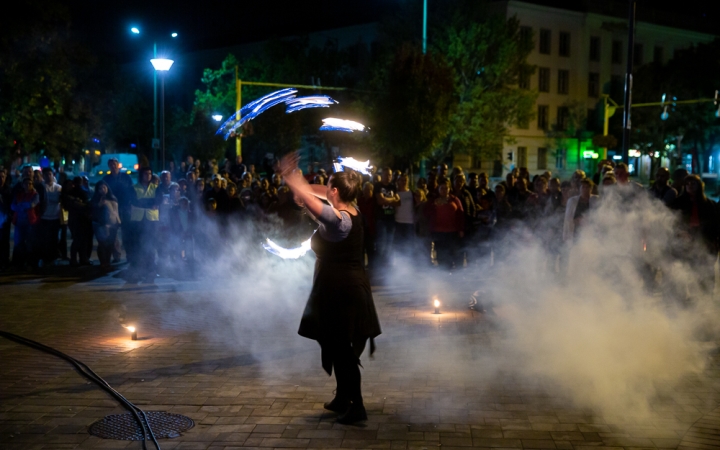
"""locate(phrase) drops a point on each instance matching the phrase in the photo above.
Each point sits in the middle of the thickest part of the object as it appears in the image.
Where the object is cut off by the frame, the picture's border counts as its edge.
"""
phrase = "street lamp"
(136, 30)
(162, 65)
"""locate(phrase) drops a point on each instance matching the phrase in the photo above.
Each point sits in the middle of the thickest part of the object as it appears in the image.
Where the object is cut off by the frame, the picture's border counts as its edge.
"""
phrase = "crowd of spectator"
(450, 220)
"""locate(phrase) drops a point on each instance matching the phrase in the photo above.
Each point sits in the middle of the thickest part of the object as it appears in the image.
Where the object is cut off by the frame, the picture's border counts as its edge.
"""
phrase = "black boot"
(338, 405)
(355, 413)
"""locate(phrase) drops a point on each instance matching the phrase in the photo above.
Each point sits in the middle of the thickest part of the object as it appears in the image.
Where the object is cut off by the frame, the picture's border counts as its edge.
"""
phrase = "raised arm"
(310, 194)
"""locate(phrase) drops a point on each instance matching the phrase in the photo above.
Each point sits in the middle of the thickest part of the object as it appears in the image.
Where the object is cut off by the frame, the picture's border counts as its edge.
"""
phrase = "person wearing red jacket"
(25, 217)
(447, 225)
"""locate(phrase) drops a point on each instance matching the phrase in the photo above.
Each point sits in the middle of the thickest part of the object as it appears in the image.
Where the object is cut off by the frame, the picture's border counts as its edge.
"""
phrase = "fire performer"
(340, 313)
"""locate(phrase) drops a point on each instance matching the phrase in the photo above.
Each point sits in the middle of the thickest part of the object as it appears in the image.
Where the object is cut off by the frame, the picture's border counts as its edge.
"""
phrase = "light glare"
(174, 35)
(217, 117)
(162, 64)
(135, 30)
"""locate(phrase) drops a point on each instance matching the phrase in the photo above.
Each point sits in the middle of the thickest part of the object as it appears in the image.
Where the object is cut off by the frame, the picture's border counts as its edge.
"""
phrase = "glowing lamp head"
(217, 117)
(174, 34)
(162, 64)
(135, 30)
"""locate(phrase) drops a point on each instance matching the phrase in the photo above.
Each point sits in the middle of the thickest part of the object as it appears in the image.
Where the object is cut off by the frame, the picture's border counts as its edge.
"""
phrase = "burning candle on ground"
(436, 303)
(132, 330)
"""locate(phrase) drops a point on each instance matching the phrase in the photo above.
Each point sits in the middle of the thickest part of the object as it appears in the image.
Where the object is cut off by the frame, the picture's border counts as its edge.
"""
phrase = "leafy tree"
(488, 56)
(411, 112)
(42, 105)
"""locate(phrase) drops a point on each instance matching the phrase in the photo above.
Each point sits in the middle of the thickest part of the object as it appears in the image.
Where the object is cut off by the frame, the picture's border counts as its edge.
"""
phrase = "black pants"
(5, 242)
(446, 249)
(347, 371)
(48, 231)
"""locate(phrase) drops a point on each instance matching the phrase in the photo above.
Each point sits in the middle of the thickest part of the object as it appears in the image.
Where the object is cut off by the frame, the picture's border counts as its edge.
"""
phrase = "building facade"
(579, 57)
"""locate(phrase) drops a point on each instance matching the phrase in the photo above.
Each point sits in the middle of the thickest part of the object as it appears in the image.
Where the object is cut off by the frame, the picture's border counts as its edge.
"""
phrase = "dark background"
(209, 24)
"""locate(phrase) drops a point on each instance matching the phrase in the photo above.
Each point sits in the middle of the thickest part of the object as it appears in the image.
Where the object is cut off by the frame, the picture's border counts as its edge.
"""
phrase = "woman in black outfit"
(340, 313)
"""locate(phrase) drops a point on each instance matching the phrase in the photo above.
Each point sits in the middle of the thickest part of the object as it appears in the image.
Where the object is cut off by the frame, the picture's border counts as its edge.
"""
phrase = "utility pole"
(627, 103)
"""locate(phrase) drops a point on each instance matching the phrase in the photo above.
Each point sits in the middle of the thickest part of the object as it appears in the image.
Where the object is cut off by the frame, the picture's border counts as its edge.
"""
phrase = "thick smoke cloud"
(626, 320)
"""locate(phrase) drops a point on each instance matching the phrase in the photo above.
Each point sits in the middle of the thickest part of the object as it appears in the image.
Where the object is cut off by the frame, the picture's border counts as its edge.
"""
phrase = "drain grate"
(125, 427)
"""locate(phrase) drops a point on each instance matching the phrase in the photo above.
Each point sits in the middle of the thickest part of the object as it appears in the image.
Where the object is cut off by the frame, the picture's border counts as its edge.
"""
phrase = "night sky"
(211, 23)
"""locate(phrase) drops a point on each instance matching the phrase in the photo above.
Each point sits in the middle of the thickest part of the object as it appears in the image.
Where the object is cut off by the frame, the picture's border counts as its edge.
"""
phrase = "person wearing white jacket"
(578, 207)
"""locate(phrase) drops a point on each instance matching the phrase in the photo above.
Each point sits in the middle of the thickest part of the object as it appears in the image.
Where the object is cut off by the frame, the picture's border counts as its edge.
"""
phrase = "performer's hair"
(348, 184)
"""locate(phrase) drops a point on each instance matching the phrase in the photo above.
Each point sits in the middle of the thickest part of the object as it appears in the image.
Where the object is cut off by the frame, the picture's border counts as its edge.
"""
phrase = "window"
(564, 48)
(542, 117)
(617, 52)
(658, 54)
(544, 79)
(522, 157)
(560, 158)
(563, 116)
(638, 54)
(594, 85)
(594, 48)
(526, 36)
(563, 81)
(542, 158)
(524, 81)
(545, 41)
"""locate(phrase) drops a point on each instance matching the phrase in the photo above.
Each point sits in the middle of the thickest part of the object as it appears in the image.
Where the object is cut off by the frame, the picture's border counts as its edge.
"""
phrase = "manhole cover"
(125, 427)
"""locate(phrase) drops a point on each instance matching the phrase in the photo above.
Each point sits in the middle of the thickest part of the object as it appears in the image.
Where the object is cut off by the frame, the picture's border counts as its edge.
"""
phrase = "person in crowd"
(387, 200)
(404, 238)
(121, 185)
(27, 172)
(180, 172)
(678, 183)
(577, 211)
(699, 230)
(49, 224)
(441, 171)
(423, 240)
(6, 215)
(447, 225)
(219, 194)
(522, 200)
(163, 187)
(660, 189)
(462, 193)
(77, 202)
(235, 203)
(575, 181)
(67, 188)
(182, 222)
(367, 206)
(340, 313)
(144, 218)
(105, 221)
(422, 185)
(25, 218)
(473, 185)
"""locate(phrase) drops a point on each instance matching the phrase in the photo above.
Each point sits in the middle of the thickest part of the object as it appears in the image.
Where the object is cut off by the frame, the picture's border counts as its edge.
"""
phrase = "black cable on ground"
(88, 373)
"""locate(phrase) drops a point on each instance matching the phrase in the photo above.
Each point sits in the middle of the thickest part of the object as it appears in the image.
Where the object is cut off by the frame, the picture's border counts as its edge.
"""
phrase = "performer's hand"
(288, 164)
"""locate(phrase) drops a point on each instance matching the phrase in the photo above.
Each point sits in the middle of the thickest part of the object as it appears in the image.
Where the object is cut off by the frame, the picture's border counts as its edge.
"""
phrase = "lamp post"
(136, 31)
(162, 65)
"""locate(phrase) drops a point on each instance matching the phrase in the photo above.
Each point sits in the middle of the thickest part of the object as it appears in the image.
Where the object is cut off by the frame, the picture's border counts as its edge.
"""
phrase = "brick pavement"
(261, 386)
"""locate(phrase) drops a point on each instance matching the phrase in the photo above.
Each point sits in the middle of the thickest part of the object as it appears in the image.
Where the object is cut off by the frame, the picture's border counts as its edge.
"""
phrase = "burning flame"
(436, 303)
(130, 329)
(352, 163)
(287, 253)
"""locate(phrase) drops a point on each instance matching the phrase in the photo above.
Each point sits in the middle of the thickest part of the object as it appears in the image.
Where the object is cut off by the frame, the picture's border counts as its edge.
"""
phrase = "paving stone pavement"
(248, 381)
